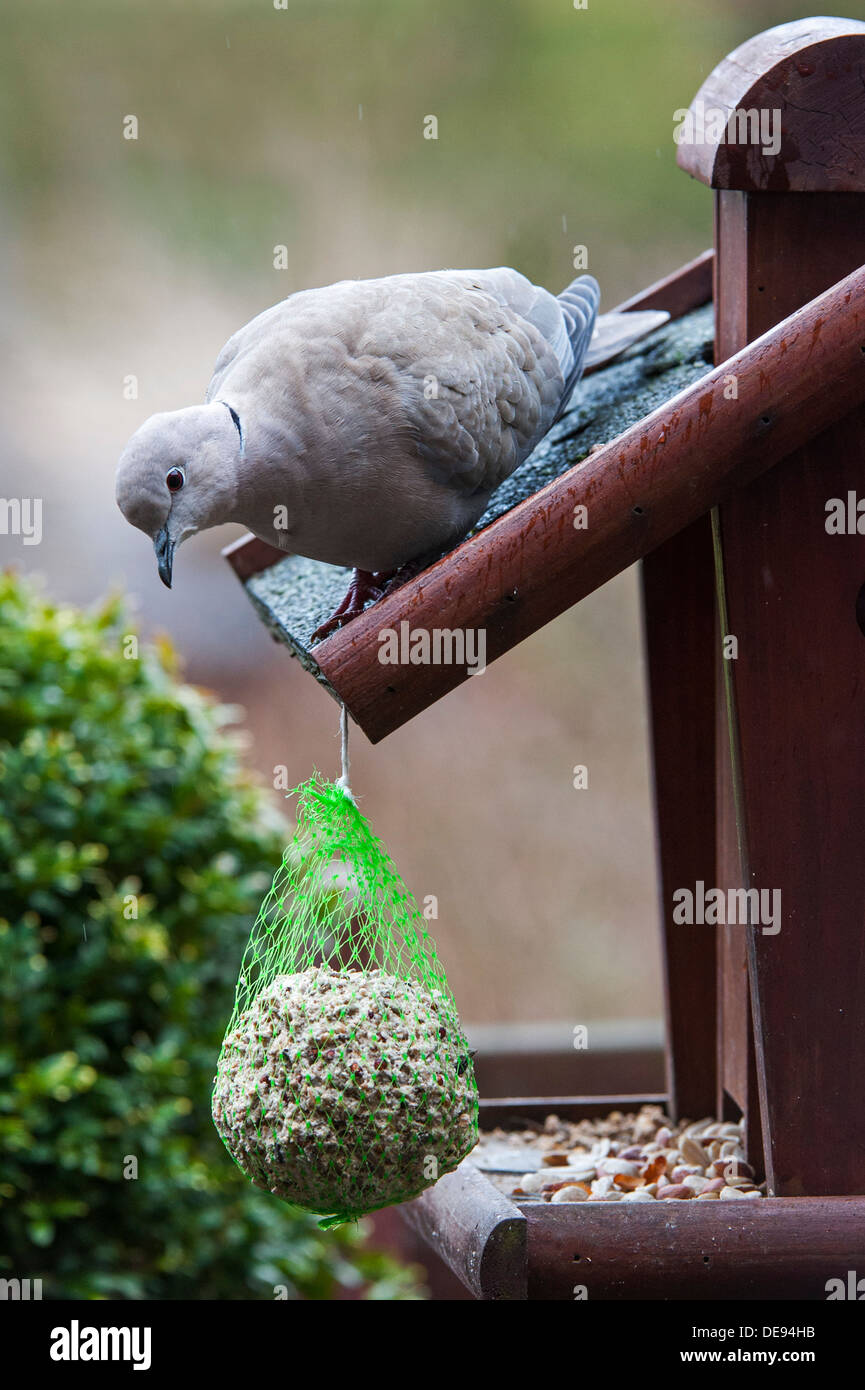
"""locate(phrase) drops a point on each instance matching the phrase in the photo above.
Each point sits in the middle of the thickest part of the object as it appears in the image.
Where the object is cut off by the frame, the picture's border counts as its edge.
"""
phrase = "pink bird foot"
(365, 585)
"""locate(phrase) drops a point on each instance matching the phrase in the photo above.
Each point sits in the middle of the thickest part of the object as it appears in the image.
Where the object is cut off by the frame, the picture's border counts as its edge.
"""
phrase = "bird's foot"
(363, 587)
(366, 585)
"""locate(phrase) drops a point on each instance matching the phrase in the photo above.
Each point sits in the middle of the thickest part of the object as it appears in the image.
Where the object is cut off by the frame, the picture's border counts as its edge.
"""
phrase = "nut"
(532, 1182)
(692, 1152)
(655, 1168)
(684, 1170)
(696, 1182)
(731, 1147)
(628, 1182)
(570, 1193)
(601, 1186)
(676, 1190)
(617, 1166)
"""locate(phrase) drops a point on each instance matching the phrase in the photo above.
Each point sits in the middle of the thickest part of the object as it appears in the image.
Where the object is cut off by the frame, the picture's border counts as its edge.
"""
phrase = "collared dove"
(368, 423)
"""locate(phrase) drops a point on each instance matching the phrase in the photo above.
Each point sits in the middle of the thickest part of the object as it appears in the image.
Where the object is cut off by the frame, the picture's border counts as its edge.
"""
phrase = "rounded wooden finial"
(785, 112)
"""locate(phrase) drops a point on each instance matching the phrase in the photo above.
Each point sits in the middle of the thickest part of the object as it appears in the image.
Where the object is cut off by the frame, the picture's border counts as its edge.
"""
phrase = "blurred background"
(303, 127)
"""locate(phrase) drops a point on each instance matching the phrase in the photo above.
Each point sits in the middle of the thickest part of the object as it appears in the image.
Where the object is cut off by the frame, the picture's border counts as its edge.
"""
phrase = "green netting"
(344, 1082)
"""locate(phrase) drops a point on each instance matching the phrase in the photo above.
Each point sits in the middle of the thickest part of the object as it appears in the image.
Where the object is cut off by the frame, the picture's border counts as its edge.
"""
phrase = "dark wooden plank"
(479, 1233)
(737, 1074)
(685, 289)
(763, 1249)
(597, 1070)
(678, 600)
(249, 555)
(679, 624)
(639, 490)
(512, 1112)
(809, 72)
(737, 1068)
(792, 602)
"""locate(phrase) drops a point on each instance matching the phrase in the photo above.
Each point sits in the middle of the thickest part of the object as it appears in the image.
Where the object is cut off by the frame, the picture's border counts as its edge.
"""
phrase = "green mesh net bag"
(344, 1082)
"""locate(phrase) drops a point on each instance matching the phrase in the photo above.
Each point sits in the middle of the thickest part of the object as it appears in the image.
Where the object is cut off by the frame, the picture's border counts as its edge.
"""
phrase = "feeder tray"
(718, 480)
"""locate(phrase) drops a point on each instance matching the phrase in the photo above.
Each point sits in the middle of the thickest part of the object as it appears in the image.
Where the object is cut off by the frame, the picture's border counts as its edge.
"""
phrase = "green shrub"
(133, 854)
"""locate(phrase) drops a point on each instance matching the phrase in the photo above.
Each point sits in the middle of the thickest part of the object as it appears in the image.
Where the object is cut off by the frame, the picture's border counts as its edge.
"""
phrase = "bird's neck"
(270, 480)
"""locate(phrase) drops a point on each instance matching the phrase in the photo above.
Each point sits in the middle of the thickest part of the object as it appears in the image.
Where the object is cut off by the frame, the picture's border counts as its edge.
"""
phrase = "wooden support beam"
(792, 591)
(668, 469)
(791, 744)
(678, 591)
(686, 289)
(678, 599)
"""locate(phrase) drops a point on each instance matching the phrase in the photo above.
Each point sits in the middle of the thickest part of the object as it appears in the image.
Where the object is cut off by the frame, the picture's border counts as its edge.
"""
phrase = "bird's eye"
(174, 479)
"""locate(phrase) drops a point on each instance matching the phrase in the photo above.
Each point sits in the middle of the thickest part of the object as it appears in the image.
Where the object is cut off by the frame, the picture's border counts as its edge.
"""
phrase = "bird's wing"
(483, 359)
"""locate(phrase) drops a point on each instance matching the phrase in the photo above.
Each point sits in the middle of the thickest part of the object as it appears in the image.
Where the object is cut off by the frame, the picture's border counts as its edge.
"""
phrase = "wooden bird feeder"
(720, 489)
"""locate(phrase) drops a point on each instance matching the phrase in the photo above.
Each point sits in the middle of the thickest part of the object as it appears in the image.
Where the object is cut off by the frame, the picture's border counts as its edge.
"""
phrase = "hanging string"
(343, 781)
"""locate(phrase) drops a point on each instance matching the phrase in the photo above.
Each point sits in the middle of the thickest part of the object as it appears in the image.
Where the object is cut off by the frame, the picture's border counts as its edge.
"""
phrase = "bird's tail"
(579, 305)
(609, 334)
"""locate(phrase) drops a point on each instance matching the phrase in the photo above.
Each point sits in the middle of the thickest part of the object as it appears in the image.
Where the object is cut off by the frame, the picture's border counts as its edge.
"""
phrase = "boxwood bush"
(133, 854)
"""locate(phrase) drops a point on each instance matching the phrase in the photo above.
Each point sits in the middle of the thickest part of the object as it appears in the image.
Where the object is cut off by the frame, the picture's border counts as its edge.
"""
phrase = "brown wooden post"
(678, 601)
(791, 752)
(679, 628)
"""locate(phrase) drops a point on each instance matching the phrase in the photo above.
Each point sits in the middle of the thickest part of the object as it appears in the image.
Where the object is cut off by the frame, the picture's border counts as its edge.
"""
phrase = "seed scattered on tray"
(639, 1157)
(345, 1091)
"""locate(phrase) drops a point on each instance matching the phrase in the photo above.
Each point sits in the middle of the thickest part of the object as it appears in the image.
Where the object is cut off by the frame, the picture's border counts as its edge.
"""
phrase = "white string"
(343, 781)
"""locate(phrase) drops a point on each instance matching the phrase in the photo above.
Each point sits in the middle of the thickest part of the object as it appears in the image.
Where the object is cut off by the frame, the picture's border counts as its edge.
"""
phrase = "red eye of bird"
(174, 479)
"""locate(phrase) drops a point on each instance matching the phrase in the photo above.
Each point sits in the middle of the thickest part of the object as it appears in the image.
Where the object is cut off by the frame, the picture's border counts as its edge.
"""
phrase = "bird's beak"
(164, 548)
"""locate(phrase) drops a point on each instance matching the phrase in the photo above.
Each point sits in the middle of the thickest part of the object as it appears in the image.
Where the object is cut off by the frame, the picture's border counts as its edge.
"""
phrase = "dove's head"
(179, 474)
